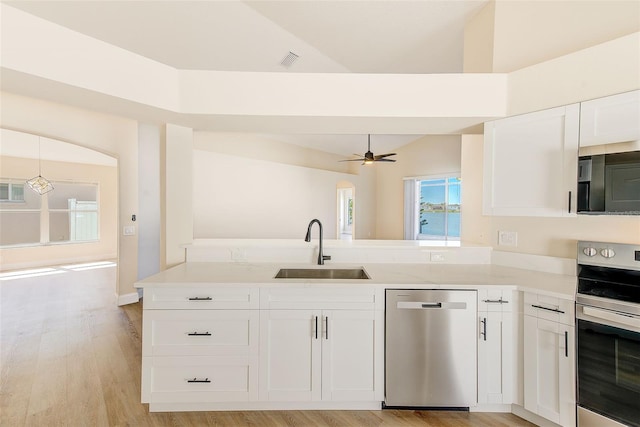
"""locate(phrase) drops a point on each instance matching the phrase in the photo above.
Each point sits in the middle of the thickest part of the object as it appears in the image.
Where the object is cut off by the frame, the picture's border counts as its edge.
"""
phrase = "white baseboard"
(546, 264)
(491, 407)
(531, 417)
(125, 299)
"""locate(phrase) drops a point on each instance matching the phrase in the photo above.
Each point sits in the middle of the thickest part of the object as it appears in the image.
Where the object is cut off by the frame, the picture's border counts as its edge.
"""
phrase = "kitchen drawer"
(201, 298)
(495, 300)
(333, 298)
(549, 308)
(200, 332)
(198, 379)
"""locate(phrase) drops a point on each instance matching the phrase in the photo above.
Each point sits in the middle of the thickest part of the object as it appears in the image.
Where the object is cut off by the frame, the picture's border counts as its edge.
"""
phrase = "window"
(11, 192)
(67, 214)
(432, 208)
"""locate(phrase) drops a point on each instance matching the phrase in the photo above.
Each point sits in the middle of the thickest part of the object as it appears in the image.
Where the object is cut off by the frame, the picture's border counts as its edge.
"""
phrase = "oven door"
(608, 367)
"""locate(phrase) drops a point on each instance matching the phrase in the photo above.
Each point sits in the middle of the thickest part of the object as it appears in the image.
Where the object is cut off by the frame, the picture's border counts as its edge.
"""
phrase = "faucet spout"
(321, 257)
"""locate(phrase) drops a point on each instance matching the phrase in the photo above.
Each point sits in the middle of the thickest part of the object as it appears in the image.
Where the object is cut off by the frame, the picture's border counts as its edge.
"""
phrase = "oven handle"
(619, 319)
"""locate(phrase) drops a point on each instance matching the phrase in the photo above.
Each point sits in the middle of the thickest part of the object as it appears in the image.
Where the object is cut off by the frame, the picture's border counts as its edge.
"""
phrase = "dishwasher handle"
(419, 305)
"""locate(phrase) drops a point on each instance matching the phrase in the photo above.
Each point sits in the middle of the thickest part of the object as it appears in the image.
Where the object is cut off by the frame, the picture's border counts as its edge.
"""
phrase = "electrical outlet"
(437, 257)
(129, 230)
(507, 238)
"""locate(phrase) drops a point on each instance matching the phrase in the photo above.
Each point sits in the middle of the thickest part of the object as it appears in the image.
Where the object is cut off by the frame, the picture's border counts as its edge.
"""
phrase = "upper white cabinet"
(610, 119)
(530, 163)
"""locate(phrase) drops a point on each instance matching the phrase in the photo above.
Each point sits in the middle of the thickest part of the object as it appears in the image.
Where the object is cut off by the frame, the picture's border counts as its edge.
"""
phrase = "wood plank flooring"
(70, 357)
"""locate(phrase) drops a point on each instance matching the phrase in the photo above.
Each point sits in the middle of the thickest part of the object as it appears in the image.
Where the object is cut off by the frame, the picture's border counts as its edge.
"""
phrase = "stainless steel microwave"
(609, 183)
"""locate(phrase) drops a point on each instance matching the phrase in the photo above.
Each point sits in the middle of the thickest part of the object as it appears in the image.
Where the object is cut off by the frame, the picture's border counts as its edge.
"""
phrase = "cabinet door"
(610, 119)
(495, 358)
(352, 349)
(549, 389)
(290, 354)
(530, 163)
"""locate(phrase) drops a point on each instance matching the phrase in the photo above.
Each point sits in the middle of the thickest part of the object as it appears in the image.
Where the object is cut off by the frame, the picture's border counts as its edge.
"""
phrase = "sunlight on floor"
(23, 274)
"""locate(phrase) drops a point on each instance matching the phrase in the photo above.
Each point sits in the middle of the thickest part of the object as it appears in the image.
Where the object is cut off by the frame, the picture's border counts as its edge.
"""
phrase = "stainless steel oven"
(608, 334)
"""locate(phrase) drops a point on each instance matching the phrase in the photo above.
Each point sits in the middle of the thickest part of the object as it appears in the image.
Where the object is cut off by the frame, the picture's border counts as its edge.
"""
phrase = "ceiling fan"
(369, 157)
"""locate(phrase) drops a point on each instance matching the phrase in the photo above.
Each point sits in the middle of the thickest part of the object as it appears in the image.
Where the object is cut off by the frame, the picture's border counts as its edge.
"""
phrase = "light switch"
(129, 230)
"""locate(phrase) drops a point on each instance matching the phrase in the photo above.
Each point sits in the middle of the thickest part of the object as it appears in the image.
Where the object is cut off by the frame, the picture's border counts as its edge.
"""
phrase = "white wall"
(149, 214)
(108, 134)
(178, 197)
(430, 155)
(243, 197)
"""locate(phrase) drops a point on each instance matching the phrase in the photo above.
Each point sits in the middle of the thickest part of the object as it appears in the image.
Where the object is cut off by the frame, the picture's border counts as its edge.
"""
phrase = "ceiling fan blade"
(381, 156)
(352, 160)
(384, 160)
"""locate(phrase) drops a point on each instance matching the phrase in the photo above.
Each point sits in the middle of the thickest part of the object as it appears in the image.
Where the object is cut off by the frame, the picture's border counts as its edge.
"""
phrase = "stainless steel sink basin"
(322, 273)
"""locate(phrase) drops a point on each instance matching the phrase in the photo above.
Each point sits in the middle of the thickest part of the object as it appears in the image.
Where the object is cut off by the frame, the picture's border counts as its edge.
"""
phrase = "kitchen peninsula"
(222, 333)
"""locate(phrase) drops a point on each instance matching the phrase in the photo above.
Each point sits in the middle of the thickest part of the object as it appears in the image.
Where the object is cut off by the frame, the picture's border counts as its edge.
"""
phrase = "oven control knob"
(607, 253)
(590, 251)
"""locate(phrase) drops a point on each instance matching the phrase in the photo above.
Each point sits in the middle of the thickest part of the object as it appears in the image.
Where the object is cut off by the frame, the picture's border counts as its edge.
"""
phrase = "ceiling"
(424, 36)
(328, 36)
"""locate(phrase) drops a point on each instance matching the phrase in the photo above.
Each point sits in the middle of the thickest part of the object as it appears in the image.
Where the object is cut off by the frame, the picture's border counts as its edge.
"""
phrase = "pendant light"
(39, 184)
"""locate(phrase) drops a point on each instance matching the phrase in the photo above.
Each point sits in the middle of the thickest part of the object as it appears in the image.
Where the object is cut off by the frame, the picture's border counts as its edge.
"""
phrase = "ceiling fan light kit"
(369, 158)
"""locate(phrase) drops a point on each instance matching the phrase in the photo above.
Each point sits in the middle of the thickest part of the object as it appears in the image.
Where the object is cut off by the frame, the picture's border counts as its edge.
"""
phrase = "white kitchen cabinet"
(496, 347)
(312, 355)
(549, 365)
(530, 163)
(199, 345)
(321, 344)
(610, 119)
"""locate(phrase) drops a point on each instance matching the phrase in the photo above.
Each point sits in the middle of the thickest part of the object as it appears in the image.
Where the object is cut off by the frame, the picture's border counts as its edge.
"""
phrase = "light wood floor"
(70, 357)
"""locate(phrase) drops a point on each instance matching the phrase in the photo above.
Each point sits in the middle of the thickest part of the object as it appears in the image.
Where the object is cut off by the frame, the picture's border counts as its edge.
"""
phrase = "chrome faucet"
(321, 258)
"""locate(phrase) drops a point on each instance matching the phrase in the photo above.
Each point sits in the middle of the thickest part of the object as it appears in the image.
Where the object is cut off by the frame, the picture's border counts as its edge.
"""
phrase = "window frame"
(414, 217)
(45, 217)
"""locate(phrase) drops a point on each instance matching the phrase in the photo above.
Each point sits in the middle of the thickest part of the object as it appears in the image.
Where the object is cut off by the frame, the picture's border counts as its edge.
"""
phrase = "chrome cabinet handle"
(555, 310)
(195, 380)
(432, 305)
(200, 299)
(484, 328)
(199, 334)
(566, 343)
(569, 201)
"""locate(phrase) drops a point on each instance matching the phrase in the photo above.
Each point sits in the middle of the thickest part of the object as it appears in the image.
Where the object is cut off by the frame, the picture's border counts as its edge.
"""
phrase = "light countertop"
(419, 276)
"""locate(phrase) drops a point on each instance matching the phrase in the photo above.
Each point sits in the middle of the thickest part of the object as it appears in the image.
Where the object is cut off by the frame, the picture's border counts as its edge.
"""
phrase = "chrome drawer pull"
(195, 380)
(199, 334)
(484, 328)
(555, 310)
(495, 301)
(200, 299)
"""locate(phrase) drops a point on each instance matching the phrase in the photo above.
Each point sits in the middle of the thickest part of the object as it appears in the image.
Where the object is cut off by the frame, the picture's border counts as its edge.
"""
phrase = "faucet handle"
(326, 257)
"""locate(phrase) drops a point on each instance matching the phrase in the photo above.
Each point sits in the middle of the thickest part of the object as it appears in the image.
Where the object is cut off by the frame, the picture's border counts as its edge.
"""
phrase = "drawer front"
(199, 379)
(201, 298)
(330, 298)
(495, 300)
(209, 332)
(549, 308)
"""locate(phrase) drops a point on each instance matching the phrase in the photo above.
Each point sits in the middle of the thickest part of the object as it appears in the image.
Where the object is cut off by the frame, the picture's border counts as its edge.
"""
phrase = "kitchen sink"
(322, 273)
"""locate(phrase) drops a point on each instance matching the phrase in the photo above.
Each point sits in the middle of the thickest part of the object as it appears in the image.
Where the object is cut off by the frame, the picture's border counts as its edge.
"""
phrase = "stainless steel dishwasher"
(430, 348)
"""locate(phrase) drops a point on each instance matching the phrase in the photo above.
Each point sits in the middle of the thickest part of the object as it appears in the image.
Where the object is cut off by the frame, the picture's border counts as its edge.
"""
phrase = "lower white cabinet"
(496, 347)
(549, 366)
(313, 355)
